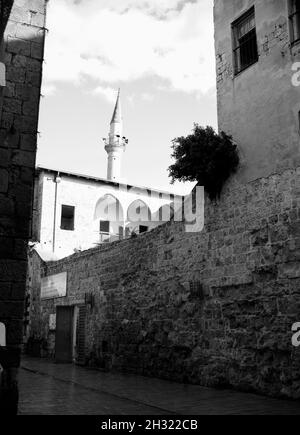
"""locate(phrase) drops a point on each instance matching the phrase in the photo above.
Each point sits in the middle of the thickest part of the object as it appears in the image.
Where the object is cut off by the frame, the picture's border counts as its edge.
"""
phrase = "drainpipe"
(2, 76)
(56, 180)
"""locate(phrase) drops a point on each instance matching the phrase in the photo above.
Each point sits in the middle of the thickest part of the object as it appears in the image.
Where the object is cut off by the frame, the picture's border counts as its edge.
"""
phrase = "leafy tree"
(206, 157)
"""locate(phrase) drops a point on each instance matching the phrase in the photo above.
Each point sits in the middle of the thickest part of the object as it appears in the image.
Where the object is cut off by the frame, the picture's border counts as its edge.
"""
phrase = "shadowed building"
(22, 30)
(257, 44)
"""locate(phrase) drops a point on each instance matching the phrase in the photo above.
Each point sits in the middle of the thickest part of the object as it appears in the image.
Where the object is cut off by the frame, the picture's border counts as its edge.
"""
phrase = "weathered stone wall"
(260, 106)
(214, 308)
(23, 45)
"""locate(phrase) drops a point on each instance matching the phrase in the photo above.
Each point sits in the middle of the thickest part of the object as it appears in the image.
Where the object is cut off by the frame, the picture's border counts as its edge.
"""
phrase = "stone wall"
(260, 106)
(213, 308)
(23, 45)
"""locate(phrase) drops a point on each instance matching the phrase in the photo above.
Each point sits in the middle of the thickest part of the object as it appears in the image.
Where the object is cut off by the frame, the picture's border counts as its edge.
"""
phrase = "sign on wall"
(52, 322)
(2, 335)
(2, 75)
(54, 286)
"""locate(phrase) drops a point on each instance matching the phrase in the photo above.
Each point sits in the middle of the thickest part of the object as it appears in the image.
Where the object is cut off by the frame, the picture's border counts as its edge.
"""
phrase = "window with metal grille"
(104, 231)
(104, 227)
(245, 50)
(294, 17)
(67, 217)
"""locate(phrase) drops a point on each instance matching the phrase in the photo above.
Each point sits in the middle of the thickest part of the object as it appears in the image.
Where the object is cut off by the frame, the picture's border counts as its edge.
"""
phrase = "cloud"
(48, 89)
(115, 41)
(110, 94)
(155, 7)
(147, 97)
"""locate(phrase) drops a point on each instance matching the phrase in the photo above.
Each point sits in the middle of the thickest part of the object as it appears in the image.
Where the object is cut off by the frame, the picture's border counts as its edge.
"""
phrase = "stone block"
(37, 6)
(3, 180)
(28, 142)
(20, 61)
(23, 158)
(9, 90)
(26, 32)
(4, 157)
(19, 14)
(33, 78)
(5, 289)
(290, 270)
(6, 247)
(6, 206)
(30, 108)
(12, 105)
(11, 270)
(18, 46)
(37, 19)
(37, 51)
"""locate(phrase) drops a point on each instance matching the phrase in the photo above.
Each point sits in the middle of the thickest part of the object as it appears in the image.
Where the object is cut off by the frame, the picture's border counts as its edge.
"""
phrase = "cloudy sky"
(159, 52)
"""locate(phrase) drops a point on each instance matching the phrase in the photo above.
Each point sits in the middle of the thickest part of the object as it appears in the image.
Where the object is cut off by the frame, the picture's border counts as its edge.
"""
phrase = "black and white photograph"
(149, 211)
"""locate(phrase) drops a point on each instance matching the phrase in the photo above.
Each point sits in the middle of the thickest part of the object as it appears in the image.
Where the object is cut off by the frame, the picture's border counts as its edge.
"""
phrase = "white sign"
(2, 74)
(54, 286)
(52, 322)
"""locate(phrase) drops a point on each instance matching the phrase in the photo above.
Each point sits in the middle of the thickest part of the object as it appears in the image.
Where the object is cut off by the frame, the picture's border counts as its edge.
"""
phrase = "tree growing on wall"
(206, 157)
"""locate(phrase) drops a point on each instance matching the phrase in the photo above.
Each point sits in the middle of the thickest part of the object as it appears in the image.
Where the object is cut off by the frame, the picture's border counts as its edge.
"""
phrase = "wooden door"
(64, 334)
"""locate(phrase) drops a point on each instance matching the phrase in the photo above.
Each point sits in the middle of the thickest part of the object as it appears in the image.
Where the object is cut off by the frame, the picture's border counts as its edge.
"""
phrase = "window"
(67, 217)
(244, 42)
(104, 227)
(143, 229)
(294, 16)
(104, 231)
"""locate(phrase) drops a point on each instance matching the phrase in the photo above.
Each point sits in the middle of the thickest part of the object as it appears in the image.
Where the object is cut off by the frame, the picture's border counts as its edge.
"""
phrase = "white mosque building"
(74, 212)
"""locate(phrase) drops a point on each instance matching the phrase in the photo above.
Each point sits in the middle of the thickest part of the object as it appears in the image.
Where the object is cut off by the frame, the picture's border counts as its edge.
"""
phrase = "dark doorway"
(64, 334)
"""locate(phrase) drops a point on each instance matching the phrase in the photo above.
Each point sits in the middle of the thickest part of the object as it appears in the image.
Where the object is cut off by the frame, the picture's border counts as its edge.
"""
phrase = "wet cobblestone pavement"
(47, 388)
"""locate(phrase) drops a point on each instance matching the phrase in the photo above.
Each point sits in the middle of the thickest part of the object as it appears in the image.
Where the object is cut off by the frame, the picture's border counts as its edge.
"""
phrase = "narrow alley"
(47, 388)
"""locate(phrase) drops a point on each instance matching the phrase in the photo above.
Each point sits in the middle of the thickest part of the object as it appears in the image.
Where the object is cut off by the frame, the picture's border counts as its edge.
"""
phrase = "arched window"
(138, 211)
(2, 335)
(109, 213)
(109, 208)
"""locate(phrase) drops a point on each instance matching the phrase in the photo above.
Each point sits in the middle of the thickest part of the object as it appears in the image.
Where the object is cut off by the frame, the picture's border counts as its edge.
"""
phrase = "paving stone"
(48, 388)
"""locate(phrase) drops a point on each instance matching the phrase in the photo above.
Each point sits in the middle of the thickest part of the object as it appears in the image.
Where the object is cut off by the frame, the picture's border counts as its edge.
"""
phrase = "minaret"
(116, 143)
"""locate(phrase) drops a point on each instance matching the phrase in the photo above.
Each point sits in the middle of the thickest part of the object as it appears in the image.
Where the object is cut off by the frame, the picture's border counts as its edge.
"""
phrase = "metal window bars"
(246, 53)
(294, 18)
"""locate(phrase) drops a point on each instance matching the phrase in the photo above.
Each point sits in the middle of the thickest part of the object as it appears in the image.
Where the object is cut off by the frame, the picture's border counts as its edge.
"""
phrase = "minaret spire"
(117, 115)
(116, 143)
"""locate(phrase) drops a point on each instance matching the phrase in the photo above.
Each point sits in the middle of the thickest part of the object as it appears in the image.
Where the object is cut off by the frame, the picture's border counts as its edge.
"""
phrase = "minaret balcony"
(115, 143)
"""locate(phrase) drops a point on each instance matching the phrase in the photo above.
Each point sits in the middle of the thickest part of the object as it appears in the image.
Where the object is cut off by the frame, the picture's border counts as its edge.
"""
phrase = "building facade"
(257, 45)
(75, 212)
(22, 35)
